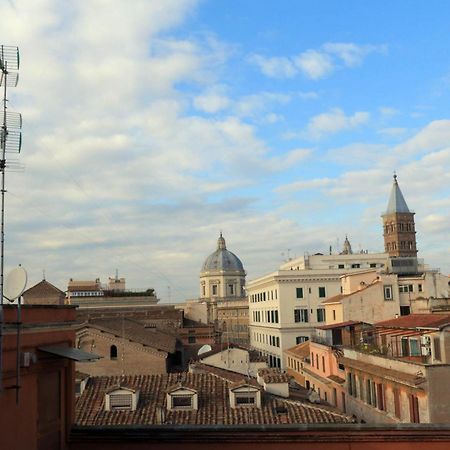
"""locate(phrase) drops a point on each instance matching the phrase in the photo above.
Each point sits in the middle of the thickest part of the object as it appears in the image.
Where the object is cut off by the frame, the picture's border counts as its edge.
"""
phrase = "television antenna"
(15, 284)
(10, 142)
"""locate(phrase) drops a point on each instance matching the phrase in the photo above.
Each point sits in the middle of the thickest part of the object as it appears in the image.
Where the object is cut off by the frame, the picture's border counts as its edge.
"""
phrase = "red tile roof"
(412, 321)
(272, 375)
(213, 404)
(136, 332)
(44, 288)
(339, 325)
(300, 350)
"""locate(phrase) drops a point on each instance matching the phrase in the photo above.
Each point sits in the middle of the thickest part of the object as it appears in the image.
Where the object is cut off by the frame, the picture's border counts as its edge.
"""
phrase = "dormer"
(181, 397)
(121, 398)
(244, 394)
(274, 381)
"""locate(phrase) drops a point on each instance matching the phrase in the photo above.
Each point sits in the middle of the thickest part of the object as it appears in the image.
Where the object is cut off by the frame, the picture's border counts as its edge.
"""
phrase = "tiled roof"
(213, 404)
(136, 332)
(300, 350)
(254, 356)
(272, 375)
(43, 288)
(222, 373)
(338, 325)
(436, 321)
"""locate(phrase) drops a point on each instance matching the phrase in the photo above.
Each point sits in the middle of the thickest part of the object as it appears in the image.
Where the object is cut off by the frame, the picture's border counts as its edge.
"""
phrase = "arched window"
(113, 352)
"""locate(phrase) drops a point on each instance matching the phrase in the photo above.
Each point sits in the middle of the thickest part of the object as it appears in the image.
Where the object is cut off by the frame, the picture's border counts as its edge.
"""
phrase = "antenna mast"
(10, 142)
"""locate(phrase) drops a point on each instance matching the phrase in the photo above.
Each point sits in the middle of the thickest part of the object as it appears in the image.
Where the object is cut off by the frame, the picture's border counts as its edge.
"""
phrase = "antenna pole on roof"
(10, 142)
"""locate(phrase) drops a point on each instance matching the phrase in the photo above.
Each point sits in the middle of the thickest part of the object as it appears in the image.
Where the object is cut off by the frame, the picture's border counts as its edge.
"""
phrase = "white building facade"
(285, 306)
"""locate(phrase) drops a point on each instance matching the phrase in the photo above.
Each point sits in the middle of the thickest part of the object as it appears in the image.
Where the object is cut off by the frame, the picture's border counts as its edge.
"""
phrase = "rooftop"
(136, 332)
(213, 404)
(412, 321)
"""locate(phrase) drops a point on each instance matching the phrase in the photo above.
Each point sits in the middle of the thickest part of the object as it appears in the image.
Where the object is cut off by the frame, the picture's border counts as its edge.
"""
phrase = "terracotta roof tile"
(137, 332)
(213, 404)
(271, 375)
(300, 350)
(417, 321)
(339, 325)
(44, 288)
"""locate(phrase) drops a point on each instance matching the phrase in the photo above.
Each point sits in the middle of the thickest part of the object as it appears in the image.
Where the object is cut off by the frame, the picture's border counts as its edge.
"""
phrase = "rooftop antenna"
(15, 284)
(10, 142)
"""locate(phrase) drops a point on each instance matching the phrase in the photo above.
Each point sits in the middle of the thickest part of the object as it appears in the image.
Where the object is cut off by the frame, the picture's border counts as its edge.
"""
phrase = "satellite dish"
(204, 349)
(15, 283)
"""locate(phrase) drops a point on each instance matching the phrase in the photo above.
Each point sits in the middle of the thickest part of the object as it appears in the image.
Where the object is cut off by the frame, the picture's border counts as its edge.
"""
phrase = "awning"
(69, 352)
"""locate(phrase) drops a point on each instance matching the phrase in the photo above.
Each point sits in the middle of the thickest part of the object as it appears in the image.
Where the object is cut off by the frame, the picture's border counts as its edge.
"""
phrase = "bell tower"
(398, 225)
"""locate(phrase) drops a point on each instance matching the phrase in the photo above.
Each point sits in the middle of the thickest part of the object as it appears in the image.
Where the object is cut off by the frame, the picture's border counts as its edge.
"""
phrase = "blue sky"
(149, 126)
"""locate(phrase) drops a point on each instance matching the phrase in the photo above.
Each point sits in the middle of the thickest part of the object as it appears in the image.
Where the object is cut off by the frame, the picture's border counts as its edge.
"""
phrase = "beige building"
(222, 299)
(94, 294)
(125, 347)
(400, 372)
(235, 359)
(286, 306)
(44, 293)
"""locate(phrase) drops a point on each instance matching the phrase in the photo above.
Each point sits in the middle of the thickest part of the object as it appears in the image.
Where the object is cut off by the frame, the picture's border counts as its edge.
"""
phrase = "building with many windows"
(286, 306)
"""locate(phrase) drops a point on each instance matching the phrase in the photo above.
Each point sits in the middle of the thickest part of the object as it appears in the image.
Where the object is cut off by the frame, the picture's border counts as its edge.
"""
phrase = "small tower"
(398, 225)
(347, 249)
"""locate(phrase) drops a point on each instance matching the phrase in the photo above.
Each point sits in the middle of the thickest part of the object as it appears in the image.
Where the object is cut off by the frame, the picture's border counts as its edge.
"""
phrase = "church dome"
(222, 259)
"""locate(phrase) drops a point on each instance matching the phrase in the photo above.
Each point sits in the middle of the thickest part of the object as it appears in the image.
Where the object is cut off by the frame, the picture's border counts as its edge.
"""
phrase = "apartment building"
(286, 306)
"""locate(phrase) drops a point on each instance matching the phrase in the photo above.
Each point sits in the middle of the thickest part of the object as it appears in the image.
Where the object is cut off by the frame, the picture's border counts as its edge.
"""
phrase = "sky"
(150, 126)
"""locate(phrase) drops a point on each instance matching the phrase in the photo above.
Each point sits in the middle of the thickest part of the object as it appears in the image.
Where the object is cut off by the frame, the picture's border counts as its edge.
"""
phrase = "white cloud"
(334, 121)
(212, 101)
(315, 63)
(352, 54)
(275, 67)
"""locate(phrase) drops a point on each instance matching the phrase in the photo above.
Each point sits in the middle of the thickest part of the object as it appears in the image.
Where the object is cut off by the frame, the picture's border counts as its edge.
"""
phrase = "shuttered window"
(120, 401)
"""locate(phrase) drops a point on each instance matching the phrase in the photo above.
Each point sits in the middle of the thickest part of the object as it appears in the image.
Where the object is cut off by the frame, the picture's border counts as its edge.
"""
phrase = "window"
(420, 287)
(437, 349)
(312, 359)
(299, 292)
(356, 266)
(203, 290)
(414, 409)
(388, 293)
(301, 315)
(341, 266)
(334, 314)
(373, 264)
(380, 397)
(341, 366)
(182, 401)
(120, 401)
(214, 289)
(414, 347)
(322, 292)
(320, 315)
(300, 339)
(192, 339)
(247, 399)
(323, 363)
(113, 352)
(231, 289)
(397, 408)
(276, 316)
